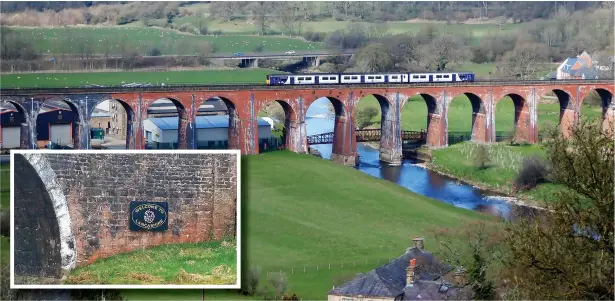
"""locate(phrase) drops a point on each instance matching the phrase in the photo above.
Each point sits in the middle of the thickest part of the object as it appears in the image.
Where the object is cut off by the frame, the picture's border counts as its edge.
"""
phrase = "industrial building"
(212, 132)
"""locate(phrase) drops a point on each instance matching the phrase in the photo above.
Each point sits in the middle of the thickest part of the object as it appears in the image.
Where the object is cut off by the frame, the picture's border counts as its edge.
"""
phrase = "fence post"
(292, 271)
(329, 266)
(316, 268)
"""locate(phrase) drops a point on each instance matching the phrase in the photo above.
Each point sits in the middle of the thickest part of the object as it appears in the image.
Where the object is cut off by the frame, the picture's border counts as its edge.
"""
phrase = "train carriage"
(366, 78)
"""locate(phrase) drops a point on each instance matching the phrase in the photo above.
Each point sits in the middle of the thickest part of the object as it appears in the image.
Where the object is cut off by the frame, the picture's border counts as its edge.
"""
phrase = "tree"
(481, 156)
(252, 280)
(259, 12)
(567, 253)
(374, 58)
(442, 52)
(523, 61)
(279, 283)
(364, 116)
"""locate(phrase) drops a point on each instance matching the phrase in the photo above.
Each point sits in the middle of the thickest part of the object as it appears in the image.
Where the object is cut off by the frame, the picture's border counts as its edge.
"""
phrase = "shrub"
(481, 156)
(187, 27)
(154, 52)
(203, 30)
(258, 48)
(534, 171)
(252, 280)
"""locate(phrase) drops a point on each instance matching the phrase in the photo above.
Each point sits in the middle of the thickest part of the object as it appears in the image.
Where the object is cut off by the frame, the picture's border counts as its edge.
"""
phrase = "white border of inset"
(237, 285)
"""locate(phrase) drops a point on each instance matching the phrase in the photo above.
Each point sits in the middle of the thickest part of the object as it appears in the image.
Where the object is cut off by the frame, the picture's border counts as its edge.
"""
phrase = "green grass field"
(505, 161)
(5, 182)
(414, 114)
(55, 80)
(141, 39)
(194, 263)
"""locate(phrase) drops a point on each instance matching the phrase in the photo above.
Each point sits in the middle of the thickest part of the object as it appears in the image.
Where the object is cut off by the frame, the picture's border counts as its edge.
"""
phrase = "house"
(212, 131)
(580, 67)
(416, 275)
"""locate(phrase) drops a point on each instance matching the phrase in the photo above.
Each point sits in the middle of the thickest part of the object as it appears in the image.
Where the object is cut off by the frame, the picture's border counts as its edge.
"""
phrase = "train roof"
(365, 73)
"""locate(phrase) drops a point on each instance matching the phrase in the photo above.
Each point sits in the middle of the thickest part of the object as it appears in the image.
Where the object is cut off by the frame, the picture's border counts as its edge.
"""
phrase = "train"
(367, 78)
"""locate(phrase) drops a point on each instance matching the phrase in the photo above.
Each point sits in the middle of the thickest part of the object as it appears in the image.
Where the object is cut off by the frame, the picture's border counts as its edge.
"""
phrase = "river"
(415, 177)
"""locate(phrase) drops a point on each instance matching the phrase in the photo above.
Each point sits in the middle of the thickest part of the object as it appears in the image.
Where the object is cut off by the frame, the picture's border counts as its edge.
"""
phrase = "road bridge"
(245, 101)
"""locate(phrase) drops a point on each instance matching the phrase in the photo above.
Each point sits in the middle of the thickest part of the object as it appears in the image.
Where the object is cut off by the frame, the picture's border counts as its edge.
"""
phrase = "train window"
(300, 78)
(394, 77)
(438, 76)
(346, 77)
(355, 77)
(370, 77)
(423, 76)
(445, 76)
(325, 78)
(415, 76)
(378, 77)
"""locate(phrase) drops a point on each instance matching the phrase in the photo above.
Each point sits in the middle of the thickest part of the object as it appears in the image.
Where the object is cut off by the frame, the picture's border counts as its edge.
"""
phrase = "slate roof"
(389, 280)
(202, 122)
(434, 290)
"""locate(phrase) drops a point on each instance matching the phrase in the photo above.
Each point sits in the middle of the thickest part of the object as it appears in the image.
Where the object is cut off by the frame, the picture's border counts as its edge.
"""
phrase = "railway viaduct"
(245, 101)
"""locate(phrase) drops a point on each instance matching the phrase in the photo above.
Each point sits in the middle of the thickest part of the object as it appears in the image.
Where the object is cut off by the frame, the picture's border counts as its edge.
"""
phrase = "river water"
(414, 177)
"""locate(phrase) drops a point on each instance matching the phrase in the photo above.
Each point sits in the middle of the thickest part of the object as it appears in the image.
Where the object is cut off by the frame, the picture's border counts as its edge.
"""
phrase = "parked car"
(238, 54)
(290, 52)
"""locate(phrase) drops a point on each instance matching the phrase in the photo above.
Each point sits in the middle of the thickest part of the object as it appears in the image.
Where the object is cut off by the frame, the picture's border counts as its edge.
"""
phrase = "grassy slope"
(61, 40)
(190, 263)
(234, 76)
(5, 182)
(299, 210)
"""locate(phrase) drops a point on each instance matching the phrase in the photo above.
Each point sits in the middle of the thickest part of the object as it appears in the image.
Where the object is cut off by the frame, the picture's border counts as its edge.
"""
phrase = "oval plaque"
(149, 216)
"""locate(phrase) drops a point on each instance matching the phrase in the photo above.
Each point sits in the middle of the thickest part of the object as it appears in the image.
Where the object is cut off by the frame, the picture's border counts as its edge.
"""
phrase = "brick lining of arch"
(183, 113)
(130, 118)
(26, 134)
(479, 129)
(521, 124)
(46, 183)
(435, 120)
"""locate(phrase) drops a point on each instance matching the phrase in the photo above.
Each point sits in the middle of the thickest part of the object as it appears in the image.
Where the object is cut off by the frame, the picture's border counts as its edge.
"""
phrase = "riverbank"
(457, 161)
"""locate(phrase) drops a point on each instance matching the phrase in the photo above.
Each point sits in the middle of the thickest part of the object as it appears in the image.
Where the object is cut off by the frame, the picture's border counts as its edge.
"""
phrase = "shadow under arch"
(130, 118)
(44, 241)
(387, 120)
(521, 121)
(608, 109)
(234, 122)
(433, 112)
(27, 134)
(478, 128)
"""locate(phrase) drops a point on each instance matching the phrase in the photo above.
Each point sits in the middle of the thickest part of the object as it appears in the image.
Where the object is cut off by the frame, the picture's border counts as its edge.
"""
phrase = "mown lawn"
(300, 211)
(142, 39)
(195, 263)
(54, 80)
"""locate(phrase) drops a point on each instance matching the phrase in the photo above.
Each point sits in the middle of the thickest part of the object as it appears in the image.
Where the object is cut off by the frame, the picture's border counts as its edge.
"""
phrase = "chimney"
(410, 273)
(418, 243)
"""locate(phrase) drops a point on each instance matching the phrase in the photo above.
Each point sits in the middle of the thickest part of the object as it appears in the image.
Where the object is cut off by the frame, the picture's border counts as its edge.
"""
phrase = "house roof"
(434, 290)
(389, 280)
(202, 122)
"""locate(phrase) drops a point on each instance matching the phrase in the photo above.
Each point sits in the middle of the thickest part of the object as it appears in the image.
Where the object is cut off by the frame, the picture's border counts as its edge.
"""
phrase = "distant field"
(55, 80)
(62, 40)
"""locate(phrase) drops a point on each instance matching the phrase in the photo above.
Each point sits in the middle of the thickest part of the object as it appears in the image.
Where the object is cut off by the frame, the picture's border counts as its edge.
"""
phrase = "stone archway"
(44, 239)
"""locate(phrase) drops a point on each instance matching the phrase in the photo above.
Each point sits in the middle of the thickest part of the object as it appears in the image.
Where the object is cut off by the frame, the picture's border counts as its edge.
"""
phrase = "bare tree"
(524, 61)
(442, 52)
(374, 58)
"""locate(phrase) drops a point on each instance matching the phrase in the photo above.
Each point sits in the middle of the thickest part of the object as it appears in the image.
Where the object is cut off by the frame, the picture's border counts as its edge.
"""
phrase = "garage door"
(10, 136)
(60, 134)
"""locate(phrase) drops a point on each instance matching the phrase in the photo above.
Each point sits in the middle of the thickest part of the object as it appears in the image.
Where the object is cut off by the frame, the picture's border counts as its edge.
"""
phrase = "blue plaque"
(149, 216)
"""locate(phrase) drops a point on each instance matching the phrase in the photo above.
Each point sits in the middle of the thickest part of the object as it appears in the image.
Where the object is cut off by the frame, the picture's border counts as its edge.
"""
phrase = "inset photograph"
(125, 219)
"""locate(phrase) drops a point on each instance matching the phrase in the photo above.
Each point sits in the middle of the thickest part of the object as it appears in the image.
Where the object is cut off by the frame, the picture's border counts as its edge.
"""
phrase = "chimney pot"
(419, 243)
(410, 273)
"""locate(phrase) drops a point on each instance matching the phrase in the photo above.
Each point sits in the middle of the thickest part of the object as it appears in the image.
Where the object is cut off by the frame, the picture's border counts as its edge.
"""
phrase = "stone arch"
(390, 132)
(608, 109)
(53, 258)
(234, 122)
(435, 134)
(130, 118)
(522, 126)
(27, 136)
(78, 124)
(567, 115)
(479, 128)
(290, 133)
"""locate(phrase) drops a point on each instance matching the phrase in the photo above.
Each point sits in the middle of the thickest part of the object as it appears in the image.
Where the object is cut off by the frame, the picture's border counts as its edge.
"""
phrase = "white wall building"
(211, 130)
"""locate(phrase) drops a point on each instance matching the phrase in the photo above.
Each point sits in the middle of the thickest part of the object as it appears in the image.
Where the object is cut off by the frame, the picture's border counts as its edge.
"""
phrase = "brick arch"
(608, 108)
(27, 135)
(234, 121)
(292, 130)
(435, 135)
(479, 116)
(130, 118)
(45, 207)
(522, 125)
(568, 107)
(183, 119)
(77, 126)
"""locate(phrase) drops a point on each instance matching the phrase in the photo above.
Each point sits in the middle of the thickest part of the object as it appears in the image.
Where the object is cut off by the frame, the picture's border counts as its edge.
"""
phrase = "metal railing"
(366, 135)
